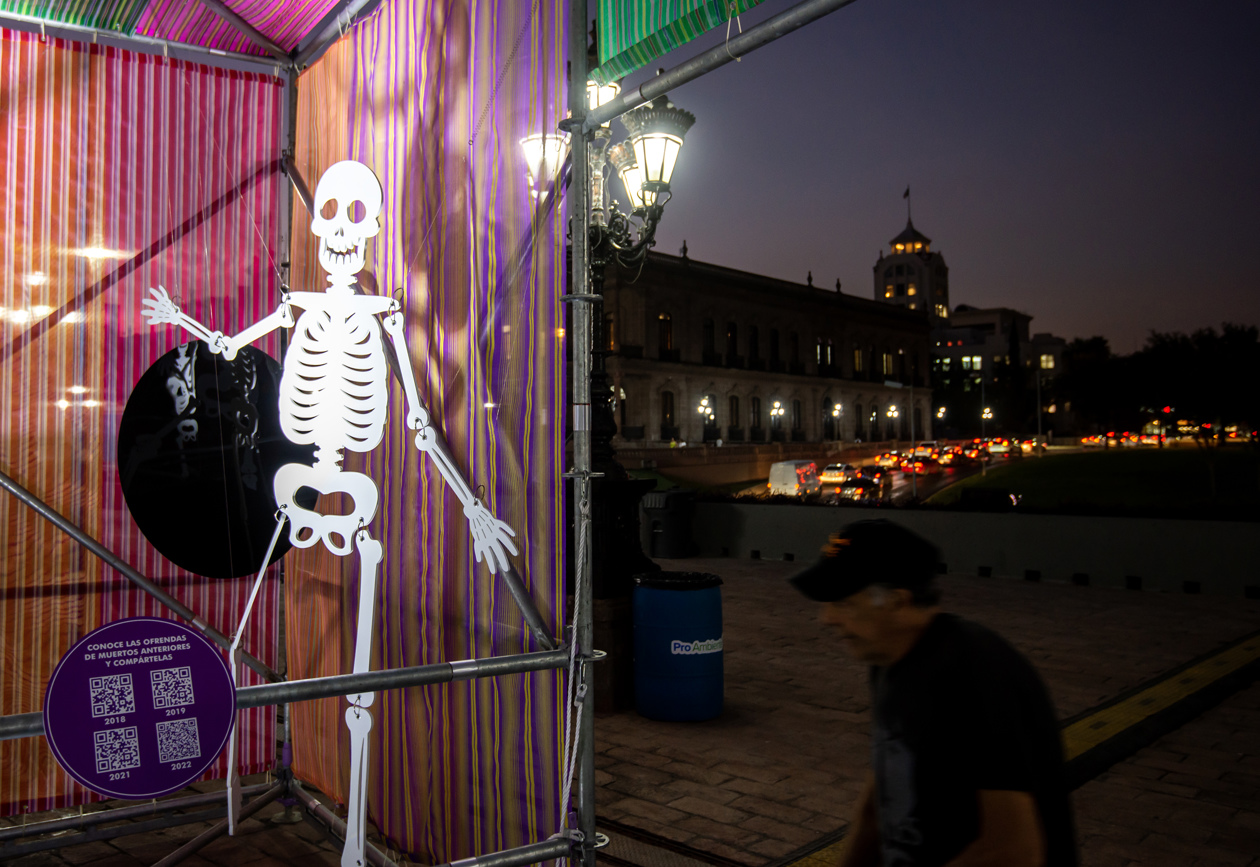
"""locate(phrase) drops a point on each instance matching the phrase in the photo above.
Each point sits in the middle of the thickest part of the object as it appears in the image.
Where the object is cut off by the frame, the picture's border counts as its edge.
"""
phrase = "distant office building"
(985, 342)
(700, 353)
(913, 276)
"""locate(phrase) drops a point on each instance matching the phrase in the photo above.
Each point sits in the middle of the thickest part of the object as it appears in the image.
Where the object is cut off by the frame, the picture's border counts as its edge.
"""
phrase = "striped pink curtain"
(118, 171)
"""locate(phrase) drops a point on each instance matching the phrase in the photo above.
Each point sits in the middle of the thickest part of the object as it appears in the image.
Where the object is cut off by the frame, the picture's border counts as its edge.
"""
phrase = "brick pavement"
(781, 767)
(783, 764)
(1191, 799)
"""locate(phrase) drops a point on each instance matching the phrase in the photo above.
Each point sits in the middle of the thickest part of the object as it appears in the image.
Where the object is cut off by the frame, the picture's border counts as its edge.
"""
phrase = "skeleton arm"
(160, 308)
(491, 537)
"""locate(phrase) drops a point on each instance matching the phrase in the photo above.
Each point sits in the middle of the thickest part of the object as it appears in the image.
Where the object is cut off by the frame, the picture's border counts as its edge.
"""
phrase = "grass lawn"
(1175, 481)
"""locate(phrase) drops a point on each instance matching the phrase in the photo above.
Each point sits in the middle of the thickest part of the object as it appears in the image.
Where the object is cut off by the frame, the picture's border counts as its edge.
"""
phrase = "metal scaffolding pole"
(218, 829)
(57, 519)
(337, 826)
(117, 814)
(751, 39)
(580, 347)
(249, 31)
(25, 725)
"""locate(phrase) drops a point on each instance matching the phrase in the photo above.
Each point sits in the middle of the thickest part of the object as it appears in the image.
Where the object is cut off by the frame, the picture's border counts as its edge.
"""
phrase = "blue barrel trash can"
(678, 645)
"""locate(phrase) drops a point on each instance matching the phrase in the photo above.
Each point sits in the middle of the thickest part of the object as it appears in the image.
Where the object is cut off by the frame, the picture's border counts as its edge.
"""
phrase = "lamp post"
(603, 236)
(837, 412)
(985, 415)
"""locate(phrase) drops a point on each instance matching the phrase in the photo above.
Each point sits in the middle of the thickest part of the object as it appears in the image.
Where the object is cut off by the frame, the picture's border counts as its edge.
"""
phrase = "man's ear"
(902, 598)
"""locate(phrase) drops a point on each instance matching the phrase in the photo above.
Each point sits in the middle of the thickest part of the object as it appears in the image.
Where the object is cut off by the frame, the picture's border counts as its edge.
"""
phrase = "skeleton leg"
(234, 654)
(358, 718)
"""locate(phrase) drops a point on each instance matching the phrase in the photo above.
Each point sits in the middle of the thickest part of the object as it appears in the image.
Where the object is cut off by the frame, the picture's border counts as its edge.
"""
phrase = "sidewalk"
(783, 764)
(778, 772)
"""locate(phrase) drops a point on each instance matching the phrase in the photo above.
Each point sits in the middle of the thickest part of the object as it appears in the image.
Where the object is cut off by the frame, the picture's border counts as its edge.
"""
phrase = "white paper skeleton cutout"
(333, 395)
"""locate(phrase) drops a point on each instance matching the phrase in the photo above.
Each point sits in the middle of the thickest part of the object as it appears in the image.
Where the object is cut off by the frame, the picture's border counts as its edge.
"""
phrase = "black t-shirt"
(962, 712)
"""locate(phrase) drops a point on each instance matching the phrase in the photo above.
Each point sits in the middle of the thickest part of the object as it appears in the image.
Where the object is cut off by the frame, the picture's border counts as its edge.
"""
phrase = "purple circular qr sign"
(139, 708)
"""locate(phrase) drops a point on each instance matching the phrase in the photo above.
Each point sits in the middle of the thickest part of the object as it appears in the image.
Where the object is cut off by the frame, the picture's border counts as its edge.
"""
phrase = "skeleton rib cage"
(334, 399)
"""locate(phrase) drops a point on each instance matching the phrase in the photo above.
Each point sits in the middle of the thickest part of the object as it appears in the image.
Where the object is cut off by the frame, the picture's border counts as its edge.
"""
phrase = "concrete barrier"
(1172, 556)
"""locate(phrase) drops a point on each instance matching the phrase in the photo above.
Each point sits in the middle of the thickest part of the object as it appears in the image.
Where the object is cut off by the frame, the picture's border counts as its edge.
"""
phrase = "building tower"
(912, 276)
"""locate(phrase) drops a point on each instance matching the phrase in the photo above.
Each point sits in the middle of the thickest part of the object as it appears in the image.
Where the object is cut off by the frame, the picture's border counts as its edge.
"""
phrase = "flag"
(906, 194)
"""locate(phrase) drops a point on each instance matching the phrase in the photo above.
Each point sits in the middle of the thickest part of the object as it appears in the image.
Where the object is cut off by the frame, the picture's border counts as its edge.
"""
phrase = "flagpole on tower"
(906, 196)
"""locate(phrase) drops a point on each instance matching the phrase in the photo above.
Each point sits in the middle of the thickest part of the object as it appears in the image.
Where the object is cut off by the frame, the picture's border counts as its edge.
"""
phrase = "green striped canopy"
(633, 33)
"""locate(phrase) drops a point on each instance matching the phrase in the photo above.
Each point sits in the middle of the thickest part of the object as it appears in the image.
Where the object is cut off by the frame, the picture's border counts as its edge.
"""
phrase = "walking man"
(966, 756)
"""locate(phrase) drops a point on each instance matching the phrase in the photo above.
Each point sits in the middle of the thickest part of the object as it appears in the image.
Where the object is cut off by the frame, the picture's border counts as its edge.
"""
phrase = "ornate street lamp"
(544, 155)
(656, 131)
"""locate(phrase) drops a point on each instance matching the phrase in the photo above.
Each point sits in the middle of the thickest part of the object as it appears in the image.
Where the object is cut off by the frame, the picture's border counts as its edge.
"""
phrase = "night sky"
(1096, 165)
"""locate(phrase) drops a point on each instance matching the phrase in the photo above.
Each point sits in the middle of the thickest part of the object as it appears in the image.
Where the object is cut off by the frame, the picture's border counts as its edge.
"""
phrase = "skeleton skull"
(347, 204)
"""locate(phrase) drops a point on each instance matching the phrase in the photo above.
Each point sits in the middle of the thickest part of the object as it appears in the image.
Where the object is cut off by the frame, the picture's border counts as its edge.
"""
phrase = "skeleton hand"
(160, 308)
(491, 537)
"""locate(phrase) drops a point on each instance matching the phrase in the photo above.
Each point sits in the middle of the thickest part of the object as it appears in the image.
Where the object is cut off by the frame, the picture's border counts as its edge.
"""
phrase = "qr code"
(172, 687)
(112, 695)
(117, 749)
(178, 740)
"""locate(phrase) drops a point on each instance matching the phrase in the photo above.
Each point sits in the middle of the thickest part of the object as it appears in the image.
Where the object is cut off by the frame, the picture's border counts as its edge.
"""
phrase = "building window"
(754, 412)
(910, 290)
(774, 344)
(818, 351)
(794, 348)
(901, 270)
(1047, 362)
(901, 289)
(707, 340)
(857, 361)
(754, 351)
(888, 364)
(942, 311)
(945, 362)
(665, 333)
(914, 305)
(798, 422)
(610, 340)
(888, 272)
(734, 411)
(858, 429)
(888, 291)
(732, 339)
(667, 410)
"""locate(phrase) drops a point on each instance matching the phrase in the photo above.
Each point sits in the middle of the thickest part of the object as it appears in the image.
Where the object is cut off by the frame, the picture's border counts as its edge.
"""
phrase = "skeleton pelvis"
(306, 526)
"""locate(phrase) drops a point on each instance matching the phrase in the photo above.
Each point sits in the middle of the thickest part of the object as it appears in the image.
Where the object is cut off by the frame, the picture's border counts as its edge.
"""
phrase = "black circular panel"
(198, 445)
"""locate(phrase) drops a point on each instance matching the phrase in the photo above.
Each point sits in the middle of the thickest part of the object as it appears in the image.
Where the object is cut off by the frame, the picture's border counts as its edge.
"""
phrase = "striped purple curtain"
(118, 171)
(434, 97)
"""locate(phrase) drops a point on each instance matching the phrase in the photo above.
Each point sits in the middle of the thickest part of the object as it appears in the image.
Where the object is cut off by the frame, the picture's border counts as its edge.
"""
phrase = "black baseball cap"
(866, 553)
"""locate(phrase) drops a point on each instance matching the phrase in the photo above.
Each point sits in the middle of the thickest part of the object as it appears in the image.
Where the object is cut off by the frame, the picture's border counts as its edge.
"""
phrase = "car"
(834, 474)
(861, 490)
(920, 466)
(1094, 442)
(927, 449)
(794, 478)
(955, 456)
(875, 474)
(888, 460)
(1000, 446)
